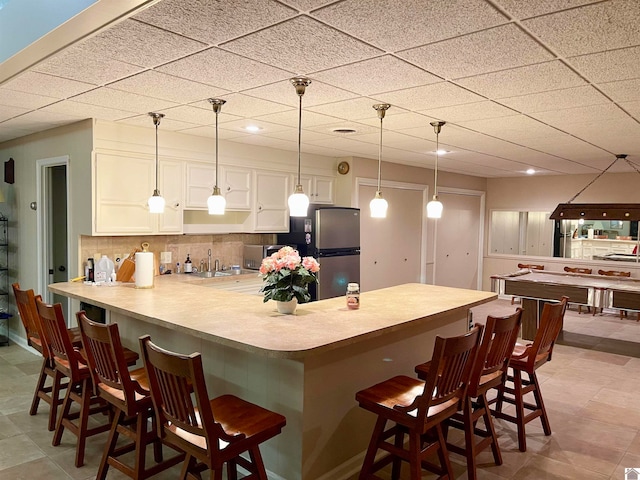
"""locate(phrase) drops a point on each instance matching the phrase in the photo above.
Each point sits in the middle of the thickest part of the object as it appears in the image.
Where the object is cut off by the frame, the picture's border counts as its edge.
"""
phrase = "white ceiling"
(552, 85)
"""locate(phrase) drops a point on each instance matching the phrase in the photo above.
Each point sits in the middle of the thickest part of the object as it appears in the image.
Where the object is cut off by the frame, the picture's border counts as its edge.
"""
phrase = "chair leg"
(469, 440)
(42, 378)
(396, 466)
(66, 406)
(83, 419)
(109, 446)
(491, 429)
(256, 460)
(232, 470)
(55, 399)
(519, 403)
(443, 453)
(367, 464)
(533, 378)
(415, 466)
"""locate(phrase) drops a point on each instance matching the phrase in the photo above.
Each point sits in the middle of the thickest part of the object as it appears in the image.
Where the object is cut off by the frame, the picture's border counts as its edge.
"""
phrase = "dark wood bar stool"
(212, 432)
(489, 371)
(128, 394)
(530, 266)
(418, 410)
(69, 362)
(583, 271)
(615, 273)
(527, 359)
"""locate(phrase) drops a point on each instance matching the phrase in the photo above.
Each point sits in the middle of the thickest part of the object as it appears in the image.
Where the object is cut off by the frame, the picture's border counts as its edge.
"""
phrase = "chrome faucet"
(217, 265)
(209, 264)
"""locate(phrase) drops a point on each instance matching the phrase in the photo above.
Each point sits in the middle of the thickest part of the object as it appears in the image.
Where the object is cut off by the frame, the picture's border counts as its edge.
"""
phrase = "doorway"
(53, 227)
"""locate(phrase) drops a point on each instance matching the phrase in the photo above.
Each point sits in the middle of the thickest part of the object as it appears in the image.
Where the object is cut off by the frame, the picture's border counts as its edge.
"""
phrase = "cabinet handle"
(228, 189)
(177, 204)
(259, 207)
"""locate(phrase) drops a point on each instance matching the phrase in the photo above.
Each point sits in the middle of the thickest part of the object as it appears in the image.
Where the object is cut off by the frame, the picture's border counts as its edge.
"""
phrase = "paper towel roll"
(144, 270)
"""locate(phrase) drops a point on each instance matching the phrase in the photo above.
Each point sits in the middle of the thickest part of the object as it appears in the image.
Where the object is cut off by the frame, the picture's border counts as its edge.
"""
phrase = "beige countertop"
(243, 321)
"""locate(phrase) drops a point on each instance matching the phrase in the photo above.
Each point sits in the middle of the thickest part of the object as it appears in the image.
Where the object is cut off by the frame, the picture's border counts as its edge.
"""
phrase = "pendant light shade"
(434, 207)
(379, 205)
(156, 202)
(216, 203)
(298, 201)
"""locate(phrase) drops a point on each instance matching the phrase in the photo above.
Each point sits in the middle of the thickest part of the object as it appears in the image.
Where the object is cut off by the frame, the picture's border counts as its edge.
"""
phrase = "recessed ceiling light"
(252, 128)
(530, 171)
(344, 131)
(442, 152)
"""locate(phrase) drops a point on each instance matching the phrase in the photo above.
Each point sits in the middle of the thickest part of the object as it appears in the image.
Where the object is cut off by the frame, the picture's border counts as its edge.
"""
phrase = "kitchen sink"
(226, 273)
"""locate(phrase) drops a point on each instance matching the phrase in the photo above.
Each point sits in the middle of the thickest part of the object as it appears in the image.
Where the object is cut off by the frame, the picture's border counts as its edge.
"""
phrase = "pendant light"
(216, 202)
(156, 202)
(298, 201)
(378, 205)
(434, 207)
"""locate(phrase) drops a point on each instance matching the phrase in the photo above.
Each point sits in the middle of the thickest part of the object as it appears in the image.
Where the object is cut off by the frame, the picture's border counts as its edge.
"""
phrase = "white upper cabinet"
(235, 185)
(272, 190)
(201, 177)
(122, 187)
(319, 188)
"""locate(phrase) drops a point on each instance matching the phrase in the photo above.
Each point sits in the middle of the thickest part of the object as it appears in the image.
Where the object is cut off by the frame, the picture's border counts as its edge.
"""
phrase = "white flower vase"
(287, 308)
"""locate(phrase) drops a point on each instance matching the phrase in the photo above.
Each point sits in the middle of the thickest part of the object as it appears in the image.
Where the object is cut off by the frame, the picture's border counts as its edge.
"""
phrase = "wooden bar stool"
(489, 371)
(128, 394)
(583, 271)
(527, 359)
(530, 266)
(615, 273)
(69, 362)
(211, 432)
(418, 410)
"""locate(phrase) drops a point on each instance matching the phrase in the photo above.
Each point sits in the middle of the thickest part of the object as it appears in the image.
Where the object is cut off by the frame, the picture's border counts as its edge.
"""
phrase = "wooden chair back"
(172, 377)
(550, 326)
(26, 302)
(531, 266)
(586, 271)
(106, 359)
(54, 326)
(449, 373)
(614, 273)
(498, 339)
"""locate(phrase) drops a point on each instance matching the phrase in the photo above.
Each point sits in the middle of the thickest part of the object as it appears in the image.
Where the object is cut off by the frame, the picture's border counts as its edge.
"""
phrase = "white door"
(391, 247)
(457, 244)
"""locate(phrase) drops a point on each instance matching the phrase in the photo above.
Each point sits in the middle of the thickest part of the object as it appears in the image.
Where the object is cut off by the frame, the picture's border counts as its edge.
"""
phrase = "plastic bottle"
(188, 267)
(103, 270)
(177, 267)
(90, 270)
(353, 296)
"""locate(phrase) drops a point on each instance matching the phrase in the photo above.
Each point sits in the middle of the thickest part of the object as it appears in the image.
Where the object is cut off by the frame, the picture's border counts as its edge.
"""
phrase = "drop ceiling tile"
(125, 101)
(438, 95)
(586, 114)
(290, 119)
(622, 91)
(214, 22)
(140, 44)
(42, 119)
(609, 66)
(523, 80)
(348, 144)
(317, 93)
(499, 48)
(83, 110)
(240, 125)
(399, 121)
(245, 106)
(325, 151)
(210, 132)
(7, 134)
(47, 85)
(359, 127)
(199, 116)
(167, 87)
(633, 108)
(7, 112)
(556, 99)
(79, 64)
(413, 22)
(354, 109)
(217, 67)
(390, 138)
(29, 101)
(291, 135)
(469, 111)
(520, 9)
(589, 29)
(301, 45)
(167, 123)
(270, 143)
(382, 74)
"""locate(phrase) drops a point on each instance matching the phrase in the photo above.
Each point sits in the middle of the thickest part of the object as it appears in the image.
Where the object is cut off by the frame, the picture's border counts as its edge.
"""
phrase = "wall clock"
(343, 168)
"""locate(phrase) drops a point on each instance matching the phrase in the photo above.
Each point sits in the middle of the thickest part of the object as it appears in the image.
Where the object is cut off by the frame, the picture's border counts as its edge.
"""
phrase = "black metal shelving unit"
(4, 281)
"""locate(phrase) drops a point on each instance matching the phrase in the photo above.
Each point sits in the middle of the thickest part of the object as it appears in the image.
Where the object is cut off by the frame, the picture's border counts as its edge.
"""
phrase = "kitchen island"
(306, 366)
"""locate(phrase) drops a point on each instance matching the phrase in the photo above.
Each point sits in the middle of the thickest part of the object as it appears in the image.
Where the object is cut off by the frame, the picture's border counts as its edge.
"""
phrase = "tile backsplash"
(226, 248)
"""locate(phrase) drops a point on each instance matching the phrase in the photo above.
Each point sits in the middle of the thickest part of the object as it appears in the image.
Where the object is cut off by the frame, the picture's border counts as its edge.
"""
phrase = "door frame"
(43, 254)
(372, 182)
(481, 213)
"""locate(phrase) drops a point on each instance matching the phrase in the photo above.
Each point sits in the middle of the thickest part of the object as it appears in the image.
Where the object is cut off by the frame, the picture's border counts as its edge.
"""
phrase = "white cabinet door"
(123, 185)
(201, 178)
(235, 186)
(272, 189)
(171, 181)
(320, 189)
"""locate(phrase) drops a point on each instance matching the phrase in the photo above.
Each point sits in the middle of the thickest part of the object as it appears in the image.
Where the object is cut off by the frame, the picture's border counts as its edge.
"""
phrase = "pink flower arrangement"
(287, 275)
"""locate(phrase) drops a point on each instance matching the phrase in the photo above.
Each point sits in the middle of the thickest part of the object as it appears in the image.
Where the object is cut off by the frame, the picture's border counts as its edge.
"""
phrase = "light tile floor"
(591, 395)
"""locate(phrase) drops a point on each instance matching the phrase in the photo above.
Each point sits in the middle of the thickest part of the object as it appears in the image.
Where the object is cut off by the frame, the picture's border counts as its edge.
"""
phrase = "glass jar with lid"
(353, 296)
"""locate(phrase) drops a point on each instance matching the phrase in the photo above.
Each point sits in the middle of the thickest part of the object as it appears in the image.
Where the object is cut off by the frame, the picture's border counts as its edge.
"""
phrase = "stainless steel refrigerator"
(332, 236)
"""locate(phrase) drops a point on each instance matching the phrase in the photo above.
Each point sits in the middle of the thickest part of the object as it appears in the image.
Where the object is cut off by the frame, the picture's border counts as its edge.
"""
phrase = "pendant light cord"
(380, 154)
(594, 180)
(299, 135)
(157, 153)
(216, 148)
(435, 176)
